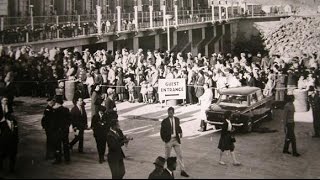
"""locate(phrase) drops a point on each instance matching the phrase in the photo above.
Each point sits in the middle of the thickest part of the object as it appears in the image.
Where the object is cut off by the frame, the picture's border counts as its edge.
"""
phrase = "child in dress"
(130, 87)
(150, 93)
(144, 91)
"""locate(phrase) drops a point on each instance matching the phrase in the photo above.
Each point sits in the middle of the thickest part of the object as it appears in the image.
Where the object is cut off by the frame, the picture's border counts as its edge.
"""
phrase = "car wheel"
(247, 128)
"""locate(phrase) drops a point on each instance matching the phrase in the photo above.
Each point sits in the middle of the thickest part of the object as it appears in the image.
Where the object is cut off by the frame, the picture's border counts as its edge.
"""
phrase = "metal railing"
(18, 30)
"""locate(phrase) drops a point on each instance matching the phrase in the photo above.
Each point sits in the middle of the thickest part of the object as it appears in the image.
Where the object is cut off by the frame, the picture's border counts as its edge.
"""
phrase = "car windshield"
(233, 100)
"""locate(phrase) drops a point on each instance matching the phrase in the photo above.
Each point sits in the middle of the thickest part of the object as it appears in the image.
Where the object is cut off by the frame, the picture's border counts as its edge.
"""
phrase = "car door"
(259, 109)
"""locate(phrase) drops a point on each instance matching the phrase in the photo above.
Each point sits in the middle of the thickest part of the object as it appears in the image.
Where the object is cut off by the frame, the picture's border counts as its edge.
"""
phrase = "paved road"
(260, 154)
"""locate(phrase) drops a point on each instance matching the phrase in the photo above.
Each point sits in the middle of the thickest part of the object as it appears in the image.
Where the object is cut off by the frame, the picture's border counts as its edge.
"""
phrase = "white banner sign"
(3, 7)
(172, 89)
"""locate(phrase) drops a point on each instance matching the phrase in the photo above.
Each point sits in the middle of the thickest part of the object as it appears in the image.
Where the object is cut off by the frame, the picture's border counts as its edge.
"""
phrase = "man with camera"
(116, 139)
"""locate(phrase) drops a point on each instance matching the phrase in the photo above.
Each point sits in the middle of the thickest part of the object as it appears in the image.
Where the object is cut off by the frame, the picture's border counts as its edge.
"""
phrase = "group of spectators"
(134, 75)
(18, 34)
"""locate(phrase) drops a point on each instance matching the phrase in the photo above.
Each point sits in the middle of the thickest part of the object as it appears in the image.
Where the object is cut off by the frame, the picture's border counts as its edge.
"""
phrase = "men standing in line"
(206, 100)
(47, 122)
(79, 122)
(116, 140)
(171, 133)
(315, 104)
(171, 167)
(9, 137)
(289, 110)
(159, 168)
(61, 131)
(100, 127)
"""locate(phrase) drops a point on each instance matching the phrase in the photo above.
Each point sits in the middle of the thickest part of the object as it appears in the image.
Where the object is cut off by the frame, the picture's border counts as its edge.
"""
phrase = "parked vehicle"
(247, 104)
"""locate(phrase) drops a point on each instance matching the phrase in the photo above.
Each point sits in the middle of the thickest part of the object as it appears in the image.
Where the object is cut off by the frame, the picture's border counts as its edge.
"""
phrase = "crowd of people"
(135, 75)
(127, 75)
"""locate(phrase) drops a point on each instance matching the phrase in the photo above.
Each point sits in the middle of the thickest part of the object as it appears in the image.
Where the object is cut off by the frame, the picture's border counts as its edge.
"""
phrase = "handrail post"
(176, 12)
(57, 23)
(151, 13)
(136, 21)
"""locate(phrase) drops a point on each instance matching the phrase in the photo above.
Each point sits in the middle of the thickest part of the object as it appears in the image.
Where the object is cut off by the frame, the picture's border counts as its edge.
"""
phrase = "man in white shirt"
(171, 133)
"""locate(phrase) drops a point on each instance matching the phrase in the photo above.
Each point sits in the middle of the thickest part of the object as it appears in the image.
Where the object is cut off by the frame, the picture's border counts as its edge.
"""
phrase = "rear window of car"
(234, 99)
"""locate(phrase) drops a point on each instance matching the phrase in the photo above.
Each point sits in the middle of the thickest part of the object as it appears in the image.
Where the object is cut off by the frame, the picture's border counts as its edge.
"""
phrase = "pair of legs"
(235, 162)
(62, 139)
(131, 96)
(120, 96)
(190, 94)
(173, 143)
(145, 98)
(12, 155)
(316, 124)
(49, 145)
(117, 168)
(78, 138)
(101, 146)
(290, 139)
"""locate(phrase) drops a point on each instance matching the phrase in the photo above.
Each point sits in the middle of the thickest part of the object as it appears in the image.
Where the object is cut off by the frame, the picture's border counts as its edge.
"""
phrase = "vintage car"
(247, 104)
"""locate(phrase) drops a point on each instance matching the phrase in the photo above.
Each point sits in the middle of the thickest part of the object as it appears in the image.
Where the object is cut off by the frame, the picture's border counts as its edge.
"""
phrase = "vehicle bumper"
(220, 123)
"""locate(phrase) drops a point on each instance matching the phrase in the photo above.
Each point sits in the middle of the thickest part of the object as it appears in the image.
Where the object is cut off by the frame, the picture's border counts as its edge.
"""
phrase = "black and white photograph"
(159, 89)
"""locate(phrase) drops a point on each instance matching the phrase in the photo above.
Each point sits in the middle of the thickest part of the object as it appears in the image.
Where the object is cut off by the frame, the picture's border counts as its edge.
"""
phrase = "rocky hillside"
(294, 37)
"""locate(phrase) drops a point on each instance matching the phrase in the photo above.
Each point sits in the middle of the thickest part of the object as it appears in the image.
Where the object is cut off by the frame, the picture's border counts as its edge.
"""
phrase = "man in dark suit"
(8, 135)
(159, 168)
(47, 122)
(100, 127)
(171, 167)
(171, 133)
(61, 131)
(116, 140)
(79, 122)
(314, 101)
(111, 109)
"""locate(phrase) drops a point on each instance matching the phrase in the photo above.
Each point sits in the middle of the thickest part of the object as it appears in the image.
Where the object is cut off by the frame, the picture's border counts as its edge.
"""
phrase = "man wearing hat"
(116, 140)
(61, 131)
(47, 124)
(315, 104)
(171, 167)
(9, 137)
(100, 127)
(159, 168)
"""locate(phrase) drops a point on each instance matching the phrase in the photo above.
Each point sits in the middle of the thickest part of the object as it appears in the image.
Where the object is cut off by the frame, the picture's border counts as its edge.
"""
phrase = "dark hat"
(160, 161)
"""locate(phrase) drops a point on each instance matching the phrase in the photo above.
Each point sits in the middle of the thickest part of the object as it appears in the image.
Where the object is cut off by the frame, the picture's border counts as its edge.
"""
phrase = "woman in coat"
(199, 86)
(120, 85)
(226, 142)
